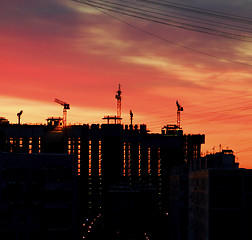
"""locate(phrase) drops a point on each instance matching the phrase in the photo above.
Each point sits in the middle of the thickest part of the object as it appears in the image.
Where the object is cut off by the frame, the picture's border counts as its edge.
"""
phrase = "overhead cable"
(161, 38)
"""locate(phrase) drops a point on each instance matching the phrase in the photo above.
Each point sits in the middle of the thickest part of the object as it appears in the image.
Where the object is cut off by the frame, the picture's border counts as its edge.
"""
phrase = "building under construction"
(123, 170)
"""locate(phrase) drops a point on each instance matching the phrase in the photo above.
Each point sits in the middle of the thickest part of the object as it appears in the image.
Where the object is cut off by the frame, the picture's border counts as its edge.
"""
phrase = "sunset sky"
(71, 51)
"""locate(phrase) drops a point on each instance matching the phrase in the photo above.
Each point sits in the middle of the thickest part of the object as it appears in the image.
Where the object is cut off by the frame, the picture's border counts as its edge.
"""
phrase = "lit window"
(159, 163)
(124, 159)
(149, 162)
(139, 160)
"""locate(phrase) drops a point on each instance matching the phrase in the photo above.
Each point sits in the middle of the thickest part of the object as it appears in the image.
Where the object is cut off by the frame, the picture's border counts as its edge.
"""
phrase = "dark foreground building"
(38, 196)
(123, 171)
(211, 199)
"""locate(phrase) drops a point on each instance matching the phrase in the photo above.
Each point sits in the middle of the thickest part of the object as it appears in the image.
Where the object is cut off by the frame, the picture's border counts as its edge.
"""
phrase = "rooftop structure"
(3, 120)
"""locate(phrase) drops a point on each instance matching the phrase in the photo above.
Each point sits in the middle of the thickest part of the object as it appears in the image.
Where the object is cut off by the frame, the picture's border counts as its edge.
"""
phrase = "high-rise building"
(220, 204)
(111, 156)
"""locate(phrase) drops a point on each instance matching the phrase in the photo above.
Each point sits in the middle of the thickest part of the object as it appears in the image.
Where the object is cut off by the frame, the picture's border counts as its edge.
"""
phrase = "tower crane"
(179, 109)
(66, 106)
(19, 116)
(119, 99)
(117, 118)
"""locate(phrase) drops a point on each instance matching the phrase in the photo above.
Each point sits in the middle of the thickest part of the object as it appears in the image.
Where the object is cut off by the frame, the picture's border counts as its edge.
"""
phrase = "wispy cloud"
(63, 49)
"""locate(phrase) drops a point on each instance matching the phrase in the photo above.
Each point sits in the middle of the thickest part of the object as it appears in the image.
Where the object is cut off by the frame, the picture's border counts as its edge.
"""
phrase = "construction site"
(123, 171)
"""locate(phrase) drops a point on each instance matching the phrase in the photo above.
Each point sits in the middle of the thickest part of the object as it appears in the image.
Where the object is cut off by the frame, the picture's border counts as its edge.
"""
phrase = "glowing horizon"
(66, 50)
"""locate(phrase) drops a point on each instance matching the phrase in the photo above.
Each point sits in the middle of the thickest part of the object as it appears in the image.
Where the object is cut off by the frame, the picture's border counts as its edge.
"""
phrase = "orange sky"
(62, 49)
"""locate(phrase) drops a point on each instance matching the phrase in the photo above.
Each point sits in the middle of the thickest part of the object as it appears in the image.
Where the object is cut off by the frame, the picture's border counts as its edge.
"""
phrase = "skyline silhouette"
(74, 52)
(123, 176)
(132, 184)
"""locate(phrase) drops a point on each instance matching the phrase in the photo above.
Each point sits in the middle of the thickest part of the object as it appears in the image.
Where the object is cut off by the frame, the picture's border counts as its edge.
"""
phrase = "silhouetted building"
(220, 160)
(178, 212)
(220, 203)
(111, 156)
(38, 196)
(3, 120)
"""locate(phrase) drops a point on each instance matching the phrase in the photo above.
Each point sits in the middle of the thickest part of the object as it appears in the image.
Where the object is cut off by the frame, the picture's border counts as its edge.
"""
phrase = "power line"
(196, 19)
(161, 38)
(148, 15)
(231, 16)
(201, 11)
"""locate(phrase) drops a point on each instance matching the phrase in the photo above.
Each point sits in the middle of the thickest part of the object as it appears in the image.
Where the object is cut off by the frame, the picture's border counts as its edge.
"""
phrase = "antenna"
(19, 116)
(119, 99)
(179, 109)
(66, 106)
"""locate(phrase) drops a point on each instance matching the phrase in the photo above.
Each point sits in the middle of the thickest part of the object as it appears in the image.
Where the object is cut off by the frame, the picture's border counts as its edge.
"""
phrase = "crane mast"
(66, 106)
(118, 117)
(19, 116)
(179, 109)
(119, 99)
